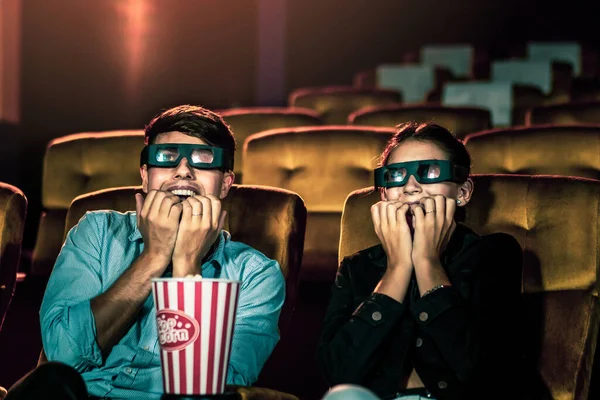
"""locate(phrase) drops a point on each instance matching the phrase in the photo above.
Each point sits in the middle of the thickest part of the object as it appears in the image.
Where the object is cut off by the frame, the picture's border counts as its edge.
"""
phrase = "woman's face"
(413, 191)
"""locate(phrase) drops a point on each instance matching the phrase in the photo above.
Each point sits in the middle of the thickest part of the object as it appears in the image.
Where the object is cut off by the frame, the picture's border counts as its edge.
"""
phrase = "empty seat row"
(507, 103)
(459, 120)
(565, 114)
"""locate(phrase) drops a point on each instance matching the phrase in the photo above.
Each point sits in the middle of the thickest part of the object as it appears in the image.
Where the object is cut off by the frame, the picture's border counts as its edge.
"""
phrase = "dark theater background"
(72, 66)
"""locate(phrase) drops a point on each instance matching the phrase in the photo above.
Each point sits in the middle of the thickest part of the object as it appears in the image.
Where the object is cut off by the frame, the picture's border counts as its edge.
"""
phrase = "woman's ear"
(464, 193)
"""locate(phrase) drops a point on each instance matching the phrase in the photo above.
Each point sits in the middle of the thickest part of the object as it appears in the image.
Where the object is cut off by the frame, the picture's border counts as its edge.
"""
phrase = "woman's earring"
(458, 202)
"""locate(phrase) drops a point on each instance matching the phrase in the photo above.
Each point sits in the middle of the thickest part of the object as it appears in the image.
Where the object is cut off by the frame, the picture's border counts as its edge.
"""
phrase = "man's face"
(185, 177)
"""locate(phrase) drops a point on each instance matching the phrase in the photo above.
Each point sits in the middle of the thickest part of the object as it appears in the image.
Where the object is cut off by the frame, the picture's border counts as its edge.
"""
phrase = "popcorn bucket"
(195, 319)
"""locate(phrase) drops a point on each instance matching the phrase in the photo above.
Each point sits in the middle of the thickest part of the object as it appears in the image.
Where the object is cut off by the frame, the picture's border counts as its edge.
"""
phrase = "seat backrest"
(526, 72)
(414, 81)
(524, 98)
(562, 77)
(335, 103)
(321, 164)
(569, 52)
(74, 165)
(13, 209)
(365, 79)
(458, 120)
(585, 89)
(565, 114)
(494, 96)
(545, 150)
(458, 58)
(556, 221)
(86, 162)
(246, 121)
(270, 220)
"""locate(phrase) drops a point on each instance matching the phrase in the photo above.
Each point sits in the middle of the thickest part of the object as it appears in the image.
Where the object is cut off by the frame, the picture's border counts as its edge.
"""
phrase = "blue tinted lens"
(395, 175)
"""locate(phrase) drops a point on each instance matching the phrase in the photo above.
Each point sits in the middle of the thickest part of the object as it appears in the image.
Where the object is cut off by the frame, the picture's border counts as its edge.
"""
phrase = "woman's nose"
(412, 186)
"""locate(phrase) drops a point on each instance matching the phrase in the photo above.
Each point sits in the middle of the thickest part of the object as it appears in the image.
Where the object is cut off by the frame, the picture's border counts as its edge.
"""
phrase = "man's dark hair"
(193, 121)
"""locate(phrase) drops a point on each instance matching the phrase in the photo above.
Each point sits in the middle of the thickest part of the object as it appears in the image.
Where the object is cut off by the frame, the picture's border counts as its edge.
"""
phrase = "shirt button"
(423, 316)
(376, 316)
(146, 348)
(442, 384)
(128, 370)
(419, 342)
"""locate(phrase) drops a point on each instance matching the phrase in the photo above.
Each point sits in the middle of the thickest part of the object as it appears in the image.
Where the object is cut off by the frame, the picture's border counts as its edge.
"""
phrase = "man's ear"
(228, 179)
(144, 175)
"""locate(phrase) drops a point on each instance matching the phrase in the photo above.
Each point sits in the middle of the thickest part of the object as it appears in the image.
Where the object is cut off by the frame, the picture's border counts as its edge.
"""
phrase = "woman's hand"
(391, 227)
(434, 225)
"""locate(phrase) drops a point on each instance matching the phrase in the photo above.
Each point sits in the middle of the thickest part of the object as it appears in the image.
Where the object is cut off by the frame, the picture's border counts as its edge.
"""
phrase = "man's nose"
(184, 170)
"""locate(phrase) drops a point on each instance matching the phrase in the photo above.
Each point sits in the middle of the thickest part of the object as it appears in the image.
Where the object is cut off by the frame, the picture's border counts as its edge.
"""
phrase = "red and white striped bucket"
(195, 320)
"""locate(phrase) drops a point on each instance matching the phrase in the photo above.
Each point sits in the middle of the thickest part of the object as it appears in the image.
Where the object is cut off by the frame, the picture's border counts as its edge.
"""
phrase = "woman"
(434, 310)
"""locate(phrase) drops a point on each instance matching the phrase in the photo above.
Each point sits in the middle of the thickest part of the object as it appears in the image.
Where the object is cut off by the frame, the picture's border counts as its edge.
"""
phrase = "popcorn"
(196, 277)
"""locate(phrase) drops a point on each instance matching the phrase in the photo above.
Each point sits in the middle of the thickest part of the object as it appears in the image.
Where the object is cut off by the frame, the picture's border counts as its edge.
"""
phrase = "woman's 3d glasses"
(201, 156)
(424, 171)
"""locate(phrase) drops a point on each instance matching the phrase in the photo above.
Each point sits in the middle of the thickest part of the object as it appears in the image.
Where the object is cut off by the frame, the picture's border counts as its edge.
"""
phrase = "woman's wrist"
(394, 284)
(435, 288)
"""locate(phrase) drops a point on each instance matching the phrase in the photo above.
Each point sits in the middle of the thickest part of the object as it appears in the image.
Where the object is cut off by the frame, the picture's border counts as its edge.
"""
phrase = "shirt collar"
(135, 232)
(216, 255)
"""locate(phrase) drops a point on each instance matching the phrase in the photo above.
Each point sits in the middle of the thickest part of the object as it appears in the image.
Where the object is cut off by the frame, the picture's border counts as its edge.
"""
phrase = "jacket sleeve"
(475, 336)
(352, 336)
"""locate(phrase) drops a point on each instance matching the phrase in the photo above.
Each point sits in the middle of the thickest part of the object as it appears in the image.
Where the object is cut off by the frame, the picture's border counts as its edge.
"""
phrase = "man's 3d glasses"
(201, 156)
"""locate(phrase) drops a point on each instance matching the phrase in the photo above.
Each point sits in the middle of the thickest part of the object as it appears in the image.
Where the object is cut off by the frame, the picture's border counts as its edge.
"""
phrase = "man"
(98, 313)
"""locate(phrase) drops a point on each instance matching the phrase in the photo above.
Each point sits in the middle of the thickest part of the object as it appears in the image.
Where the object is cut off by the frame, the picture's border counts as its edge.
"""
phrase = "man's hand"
(158, 220)
(202, 220)
(116, 309)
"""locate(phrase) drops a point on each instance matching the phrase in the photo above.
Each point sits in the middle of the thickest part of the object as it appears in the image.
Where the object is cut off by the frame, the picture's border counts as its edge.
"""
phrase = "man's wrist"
(153, 263)
(186, 266)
